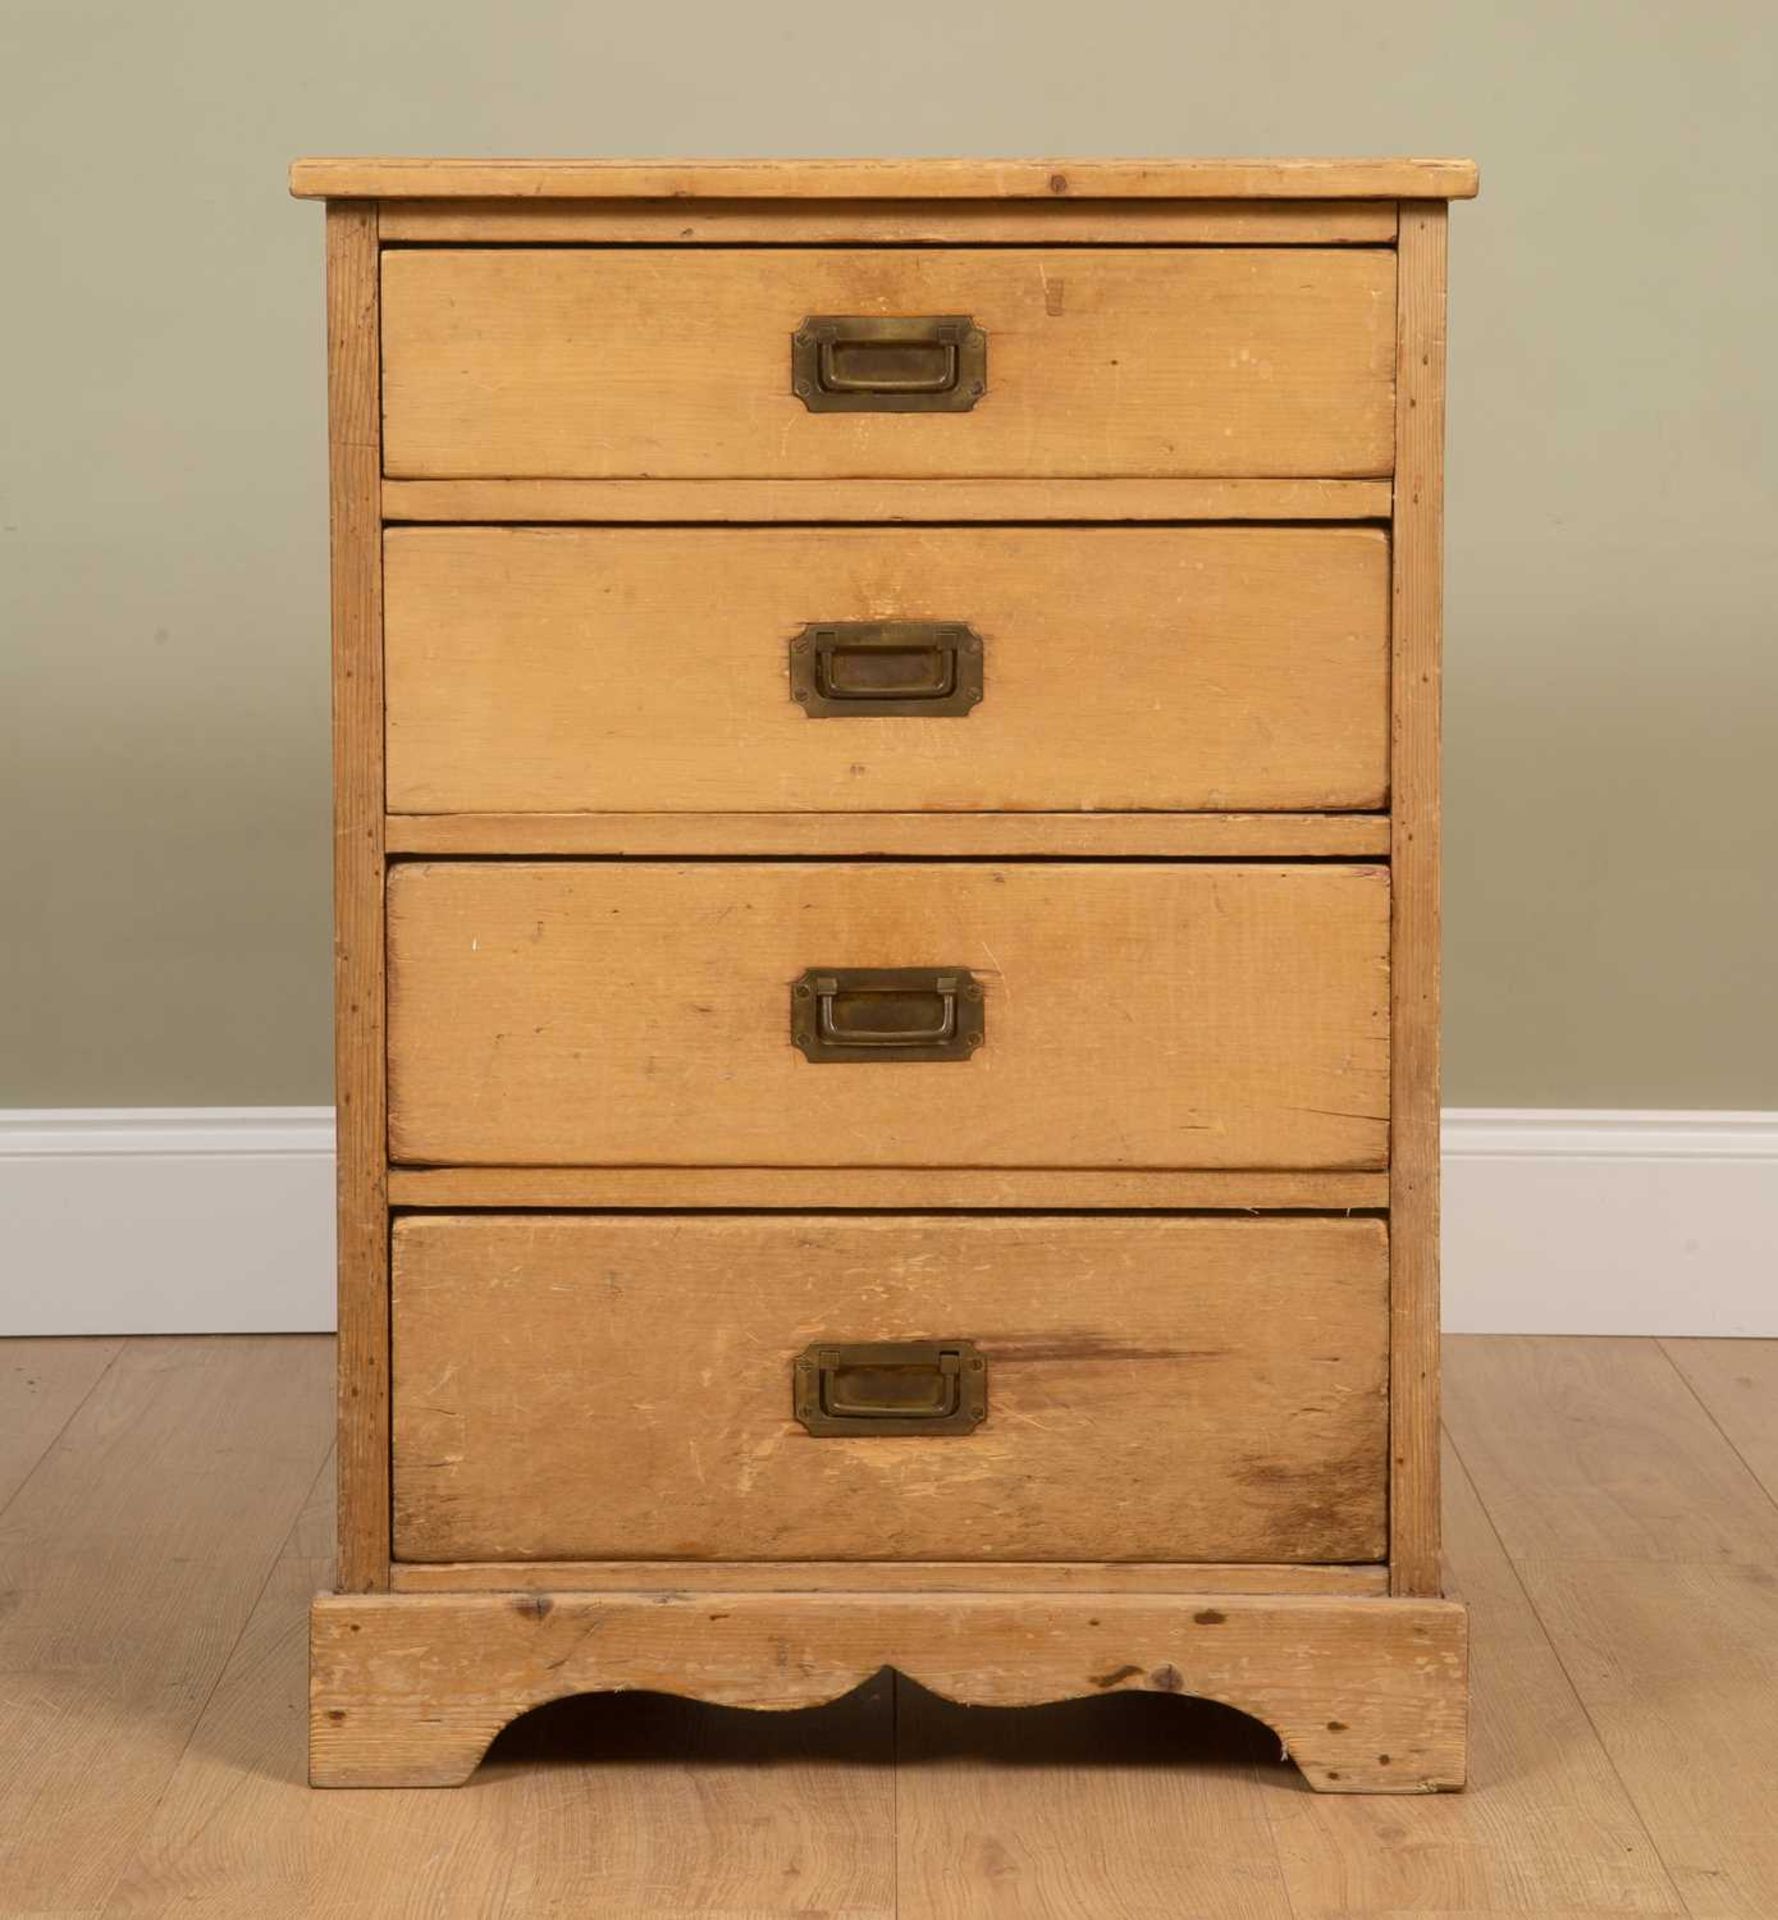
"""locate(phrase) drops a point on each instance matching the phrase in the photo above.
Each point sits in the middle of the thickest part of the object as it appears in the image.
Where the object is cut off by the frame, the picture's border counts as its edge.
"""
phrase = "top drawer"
(570, 363)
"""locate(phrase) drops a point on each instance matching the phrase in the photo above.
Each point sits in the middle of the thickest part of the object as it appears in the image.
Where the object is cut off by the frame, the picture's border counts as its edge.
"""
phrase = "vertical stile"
(1418, 563)
(355, 464)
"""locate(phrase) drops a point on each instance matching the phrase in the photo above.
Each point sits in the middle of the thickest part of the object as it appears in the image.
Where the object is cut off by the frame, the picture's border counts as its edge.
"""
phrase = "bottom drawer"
(1165, 1388)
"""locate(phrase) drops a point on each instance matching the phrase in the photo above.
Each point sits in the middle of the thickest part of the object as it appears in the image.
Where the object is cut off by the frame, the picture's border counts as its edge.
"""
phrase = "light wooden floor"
(164, 1516)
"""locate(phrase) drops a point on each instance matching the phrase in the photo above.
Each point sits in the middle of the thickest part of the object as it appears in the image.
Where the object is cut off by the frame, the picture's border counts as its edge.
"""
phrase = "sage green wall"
(1613, 680)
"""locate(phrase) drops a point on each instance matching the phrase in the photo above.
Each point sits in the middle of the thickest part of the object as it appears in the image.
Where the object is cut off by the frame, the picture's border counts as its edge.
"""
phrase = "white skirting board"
(220, 1220)
(1610, 1222)
(166, 1220)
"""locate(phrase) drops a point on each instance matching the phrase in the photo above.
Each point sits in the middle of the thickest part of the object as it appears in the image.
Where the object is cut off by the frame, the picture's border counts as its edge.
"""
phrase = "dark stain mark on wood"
(1116, 1677)
(336, 1714)
(1382, 1759)
(1210, 1617)
(533, 1606)
(1168, 1679)
(1336, 1726)
(1331, 1504)
(1058, 183)
(1011, 1348)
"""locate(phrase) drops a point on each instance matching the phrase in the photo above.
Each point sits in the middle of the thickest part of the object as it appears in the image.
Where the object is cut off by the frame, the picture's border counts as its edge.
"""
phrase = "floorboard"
(636, 1805)
(168, 1512)
(661, 1808)
(1545, 1827)
(43, 1384)
(1596, 1449)
(239, 1832)
(132, 1555)
(1737, 1383)
(1137, 1805)
(1647, 1547)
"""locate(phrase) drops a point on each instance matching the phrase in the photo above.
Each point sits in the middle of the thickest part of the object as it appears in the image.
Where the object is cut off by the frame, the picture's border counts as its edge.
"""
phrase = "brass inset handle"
(887, 1013)
(890, 1386)
(871, 363)
(863, 669)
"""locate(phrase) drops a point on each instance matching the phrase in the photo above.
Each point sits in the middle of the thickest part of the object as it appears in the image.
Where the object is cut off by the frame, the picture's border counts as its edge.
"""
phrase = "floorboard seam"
(1710, 1415)
(895, 1793)
(55, 1439)
(274, 1561)
(1681, 1906)
(1279, 1867)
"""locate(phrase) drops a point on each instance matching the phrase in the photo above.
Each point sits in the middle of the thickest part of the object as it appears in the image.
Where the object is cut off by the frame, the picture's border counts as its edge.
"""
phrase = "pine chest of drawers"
(887, 905)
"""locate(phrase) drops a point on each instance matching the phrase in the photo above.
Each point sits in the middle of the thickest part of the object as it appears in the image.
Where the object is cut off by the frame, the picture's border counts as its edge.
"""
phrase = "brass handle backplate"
(887, 1013)
(868, 363)
(875, 1387)
(871, 669)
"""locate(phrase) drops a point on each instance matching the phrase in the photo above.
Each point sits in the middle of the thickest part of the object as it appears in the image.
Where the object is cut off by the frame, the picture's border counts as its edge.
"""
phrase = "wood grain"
(910, 502)
(1596, 1449)
(1545, 1827)
(880, 1576)
(1179, 669)
(1650, 1551)
(1088, 1810)
(130, 1560)
(1126, 836)
(1415, 919)
(637, 1804)
(42, 1386)
(1675, 1663)
(1737, 1383)
(878, 223)
(410, 1688)
(924, 1188)
(1159, 1390)
(1137, 1015)
(640, 1806)
(660, 1808)
(1219, 341)
(523, 362)
(393, 178)
(238, 1832)
(354, 457)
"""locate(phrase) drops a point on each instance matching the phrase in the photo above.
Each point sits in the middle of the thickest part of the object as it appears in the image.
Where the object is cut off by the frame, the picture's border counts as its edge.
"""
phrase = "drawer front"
(604, 1387)
(1134, 1014)
(614, 362)
(615, 668)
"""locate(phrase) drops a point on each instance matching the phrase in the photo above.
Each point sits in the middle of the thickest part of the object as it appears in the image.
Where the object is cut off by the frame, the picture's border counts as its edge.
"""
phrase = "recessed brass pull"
(890, 1386)
(887, 1013)
(865, 669)
(871, 363)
